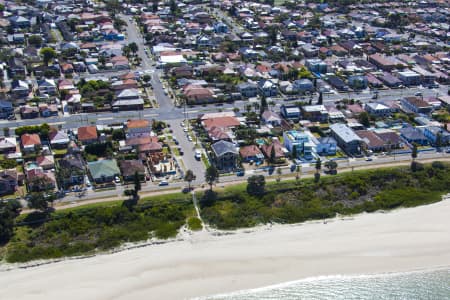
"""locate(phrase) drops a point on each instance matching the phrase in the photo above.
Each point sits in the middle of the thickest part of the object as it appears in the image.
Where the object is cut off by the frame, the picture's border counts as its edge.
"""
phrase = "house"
(377, 109)
(138, 128)
(47, 86)
(336, 83)
(16, 67)
(146, 144)
(8, 181)
(7, 145)
(326, 146)
(30, 142)
(277, 149)
(225, 122)
(346, 138)
(87, 134)
(129, 169)
(303, 85)
(391, 139)
(59, 139)
(357, 82)
(71, 170)
(19, 89)
(413, 135)
(416, 105)
(103, 171)
(409, 78)
(390, 80)
(315, 113)
(46, 162)
(298, 144)
(290, 112)
(316, 66)
(128, 104)
(197, 94)
(267, 88)
(371, 140)
(251, 153)
(224, 156)
(248, 89)
(270, 117)
(382, 62)
(46, 110)
(19, 22)
(29, 112)
(217, 134)
(6, 109)
(436, 133)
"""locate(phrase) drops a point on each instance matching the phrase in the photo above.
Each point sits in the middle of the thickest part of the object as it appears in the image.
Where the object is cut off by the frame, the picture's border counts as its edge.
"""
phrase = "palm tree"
(318, 165)
(211, 176)
(414, 152)
(279, 172)
(189, 177)
(298, 169)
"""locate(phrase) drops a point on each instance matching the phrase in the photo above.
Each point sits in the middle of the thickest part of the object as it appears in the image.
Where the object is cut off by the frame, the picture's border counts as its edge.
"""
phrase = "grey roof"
(345, 133)
(327, 140)
(126, 102)
(100, 168)
(412, 133)
(222, 147)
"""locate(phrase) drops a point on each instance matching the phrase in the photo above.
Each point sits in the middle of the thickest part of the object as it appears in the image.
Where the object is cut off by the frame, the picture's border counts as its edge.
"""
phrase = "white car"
(189, 138)
(185, 129)
(198, 155)
(117, 179)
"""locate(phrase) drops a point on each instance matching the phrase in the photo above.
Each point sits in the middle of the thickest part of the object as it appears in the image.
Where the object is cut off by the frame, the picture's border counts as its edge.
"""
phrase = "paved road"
(188, 148)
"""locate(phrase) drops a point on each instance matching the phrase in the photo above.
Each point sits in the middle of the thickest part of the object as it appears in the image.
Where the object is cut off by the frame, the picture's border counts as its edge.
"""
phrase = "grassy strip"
(205, 160)
(289, 201)
(96, 227)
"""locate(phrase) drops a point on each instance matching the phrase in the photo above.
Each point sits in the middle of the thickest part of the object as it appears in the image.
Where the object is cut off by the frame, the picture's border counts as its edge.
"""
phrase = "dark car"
(240, 172)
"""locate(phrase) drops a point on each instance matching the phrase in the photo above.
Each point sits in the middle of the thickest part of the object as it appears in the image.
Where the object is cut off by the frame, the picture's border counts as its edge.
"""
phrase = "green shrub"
(194, 224)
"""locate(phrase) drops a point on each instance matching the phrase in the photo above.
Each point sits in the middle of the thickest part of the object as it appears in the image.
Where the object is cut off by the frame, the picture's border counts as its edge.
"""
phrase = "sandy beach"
(205, 264)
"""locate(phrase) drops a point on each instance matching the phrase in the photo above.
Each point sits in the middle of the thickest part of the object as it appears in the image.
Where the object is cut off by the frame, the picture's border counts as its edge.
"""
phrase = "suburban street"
(168, 112)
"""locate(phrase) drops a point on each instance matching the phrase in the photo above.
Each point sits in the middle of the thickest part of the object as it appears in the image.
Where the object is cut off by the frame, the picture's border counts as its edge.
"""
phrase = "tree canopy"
(256, 185)
(47, 54)
(211, 175)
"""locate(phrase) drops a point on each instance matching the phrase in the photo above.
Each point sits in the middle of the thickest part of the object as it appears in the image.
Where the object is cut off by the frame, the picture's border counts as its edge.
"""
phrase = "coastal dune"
(205, 263)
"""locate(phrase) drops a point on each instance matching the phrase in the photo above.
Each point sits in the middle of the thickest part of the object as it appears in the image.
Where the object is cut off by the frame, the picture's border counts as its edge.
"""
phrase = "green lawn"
(205, 160)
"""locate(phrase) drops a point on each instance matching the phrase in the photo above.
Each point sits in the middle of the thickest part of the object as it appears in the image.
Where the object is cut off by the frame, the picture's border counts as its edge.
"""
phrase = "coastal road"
(307, 172)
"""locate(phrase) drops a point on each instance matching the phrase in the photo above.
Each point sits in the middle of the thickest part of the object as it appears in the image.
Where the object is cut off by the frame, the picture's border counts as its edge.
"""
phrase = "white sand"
(402, 240)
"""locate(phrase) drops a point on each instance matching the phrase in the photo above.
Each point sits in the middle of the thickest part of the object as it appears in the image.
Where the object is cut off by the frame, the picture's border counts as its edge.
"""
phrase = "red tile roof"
(251, 150)
(221, 122)
(137, 123)
(30, 139)
(87, 133)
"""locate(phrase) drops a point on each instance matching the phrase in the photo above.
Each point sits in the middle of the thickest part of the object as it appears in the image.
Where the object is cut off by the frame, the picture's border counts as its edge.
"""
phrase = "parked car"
(198, 155)
(163, 183)
(240, 172)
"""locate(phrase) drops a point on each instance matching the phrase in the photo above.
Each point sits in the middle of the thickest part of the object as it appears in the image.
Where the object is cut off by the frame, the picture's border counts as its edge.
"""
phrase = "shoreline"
(210, 263)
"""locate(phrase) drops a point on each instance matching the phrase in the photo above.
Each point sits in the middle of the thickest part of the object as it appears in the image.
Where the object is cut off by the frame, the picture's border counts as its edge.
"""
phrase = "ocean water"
(420, 285)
